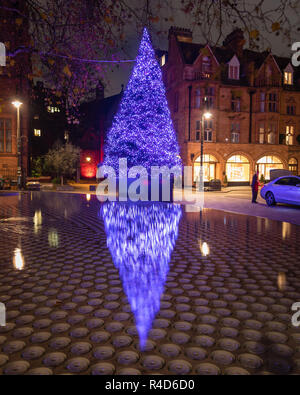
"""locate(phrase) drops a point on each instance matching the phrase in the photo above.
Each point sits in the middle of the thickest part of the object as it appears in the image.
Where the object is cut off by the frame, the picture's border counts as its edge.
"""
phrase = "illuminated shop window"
(238, 169)
(268, 163)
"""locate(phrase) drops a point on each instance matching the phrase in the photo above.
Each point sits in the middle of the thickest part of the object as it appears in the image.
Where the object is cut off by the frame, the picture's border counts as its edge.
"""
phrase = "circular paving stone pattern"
(228, 313)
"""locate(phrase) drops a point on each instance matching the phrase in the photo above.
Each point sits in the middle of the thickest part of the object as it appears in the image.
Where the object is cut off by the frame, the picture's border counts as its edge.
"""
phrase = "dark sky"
(118, 76)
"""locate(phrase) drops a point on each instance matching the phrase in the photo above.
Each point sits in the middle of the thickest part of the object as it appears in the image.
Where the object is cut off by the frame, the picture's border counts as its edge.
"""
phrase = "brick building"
(254, 99)
(96, 118)
(14, 86)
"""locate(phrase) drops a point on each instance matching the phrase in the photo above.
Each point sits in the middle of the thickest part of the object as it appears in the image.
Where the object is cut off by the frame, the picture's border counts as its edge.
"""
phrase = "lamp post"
(17, 105)
(205, 116)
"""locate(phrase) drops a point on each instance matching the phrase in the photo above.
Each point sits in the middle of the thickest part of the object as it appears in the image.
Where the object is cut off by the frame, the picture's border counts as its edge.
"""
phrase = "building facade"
(14, 86)
(253, 99)
(96, 118)
(48, 121)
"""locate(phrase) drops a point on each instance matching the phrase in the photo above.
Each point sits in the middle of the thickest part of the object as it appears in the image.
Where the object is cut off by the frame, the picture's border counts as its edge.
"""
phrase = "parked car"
(33, 186)
(282, 190)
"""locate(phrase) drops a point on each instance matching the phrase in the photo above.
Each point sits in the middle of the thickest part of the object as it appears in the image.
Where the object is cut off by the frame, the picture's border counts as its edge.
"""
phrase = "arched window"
(268, 163)
(209, 168)
(293, 166)
(238, 169)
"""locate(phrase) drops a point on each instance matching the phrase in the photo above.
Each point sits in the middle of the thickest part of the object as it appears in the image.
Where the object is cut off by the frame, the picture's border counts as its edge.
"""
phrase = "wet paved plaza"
(145, 288)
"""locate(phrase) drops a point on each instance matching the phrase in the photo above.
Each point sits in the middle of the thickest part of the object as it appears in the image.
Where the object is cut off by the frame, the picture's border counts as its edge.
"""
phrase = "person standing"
(255, 185)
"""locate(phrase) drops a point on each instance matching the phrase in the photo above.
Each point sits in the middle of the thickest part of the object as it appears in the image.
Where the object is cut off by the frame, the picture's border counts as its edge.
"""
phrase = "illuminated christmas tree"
(142, 130)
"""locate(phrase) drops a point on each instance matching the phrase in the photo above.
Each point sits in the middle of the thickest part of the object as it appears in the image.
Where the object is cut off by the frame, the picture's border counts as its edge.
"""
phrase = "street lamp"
(17, 105)
(205, 116)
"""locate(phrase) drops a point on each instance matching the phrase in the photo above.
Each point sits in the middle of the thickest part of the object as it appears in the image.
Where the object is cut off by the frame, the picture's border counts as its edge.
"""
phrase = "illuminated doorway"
(209, 168)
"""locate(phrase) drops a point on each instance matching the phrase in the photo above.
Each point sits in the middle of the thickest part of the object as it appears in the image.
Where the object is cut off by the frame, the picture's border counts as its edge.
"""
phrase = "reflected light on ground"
(37, 220)
(204, 249)
(53, 238)
(18, 260)
(286, 230)
(281, 281)
(88, 197)
(141, 239)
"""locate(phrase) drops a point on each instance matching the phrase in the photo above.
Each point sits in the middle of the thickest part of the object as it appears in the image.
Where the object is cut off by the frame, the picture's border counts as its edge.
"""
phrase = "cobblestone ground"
(226, 287)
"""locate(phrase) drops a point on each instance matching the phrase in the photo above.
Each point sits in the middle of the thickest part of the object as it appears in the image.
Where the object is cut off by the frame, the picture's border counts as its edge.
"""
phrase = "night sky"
(119, 76)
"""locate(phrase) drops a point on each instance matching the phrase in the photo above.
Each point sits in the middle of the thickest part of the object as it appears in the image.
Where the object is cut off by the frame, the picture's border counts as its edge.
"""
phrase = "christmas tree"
(142, 130)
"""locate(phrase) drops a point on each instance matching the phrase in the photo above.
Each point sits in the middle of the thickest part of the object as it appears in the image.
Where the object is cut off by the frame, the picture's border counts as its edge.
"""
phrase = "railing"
(196, 76)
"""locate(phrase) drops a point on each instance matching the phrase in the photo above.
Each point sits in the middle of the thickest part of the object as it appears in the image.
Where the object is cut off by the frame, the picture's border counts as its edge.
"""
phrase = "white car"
(282, 190)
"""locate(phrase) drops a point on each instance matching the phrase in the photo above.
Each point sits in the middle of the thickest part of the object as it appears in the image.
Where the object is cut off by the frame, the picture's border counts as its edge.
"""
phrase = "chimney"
(182, 35)
(235, 42)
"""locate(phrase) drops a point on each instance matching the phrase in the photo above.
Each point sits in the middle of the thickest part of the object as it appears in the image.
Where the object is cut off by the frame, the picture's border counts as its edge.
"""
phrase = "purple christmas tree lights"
(142, 130)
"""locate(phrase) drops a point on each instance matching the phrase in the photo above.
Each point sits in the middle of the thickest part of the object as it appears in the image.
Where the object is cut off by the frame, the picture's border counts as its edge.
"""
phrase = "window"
(235, 103)
(5, 136)
(288, 78)
(288, 181)
(268, 163)
(262, 103)
(272, 102)
(238, 169)
(163, 60)
(261, 133)
(198, 98)
(208, 100)
(289, 135)
(52, 110)
(176, 102)
(291, 109)
(234, 72)
(208, 127)
(272, 132)
(235, 132)
(206, 64)
(37, 132)
(293, 166)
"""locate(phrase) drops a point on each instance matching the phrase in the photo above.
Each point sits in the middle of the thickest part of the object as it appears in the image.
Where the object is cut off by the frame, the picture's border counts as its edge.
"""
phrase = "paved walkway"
(142, 289)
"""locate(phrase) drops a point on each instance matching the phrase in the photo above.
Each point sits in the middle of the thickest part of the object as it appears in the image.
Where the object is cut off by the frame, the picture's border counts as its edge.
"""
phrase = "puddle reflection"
(18, 259)
(53, 238)
(141, 239)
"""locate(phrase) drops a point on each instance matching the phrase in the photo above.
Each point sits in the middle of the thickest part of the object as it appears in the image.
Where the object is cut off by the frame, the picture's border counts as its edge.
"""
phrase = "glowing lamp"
(17, 103)
(207, 115)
